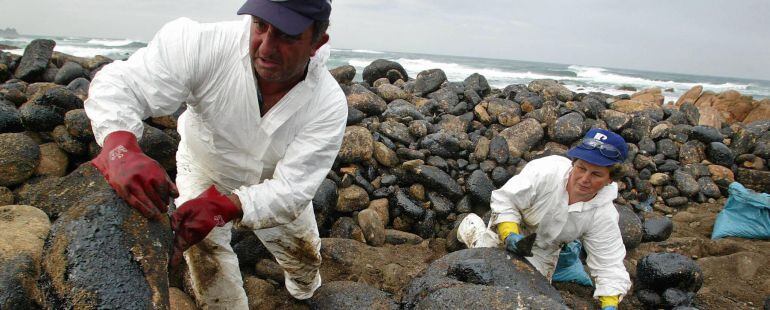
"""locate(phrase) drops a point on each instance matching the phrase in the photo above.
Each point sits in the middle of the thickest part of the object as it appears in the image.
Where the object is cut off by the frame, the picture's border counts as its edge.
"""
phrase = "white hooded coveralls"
(537, 198)
(274, 163)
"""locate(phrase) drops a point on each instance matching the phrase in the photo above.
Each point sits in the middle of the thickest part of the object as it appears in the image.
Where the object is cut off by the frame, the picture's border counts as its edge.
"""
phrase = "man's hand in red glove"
(194, 219)
(136, 178)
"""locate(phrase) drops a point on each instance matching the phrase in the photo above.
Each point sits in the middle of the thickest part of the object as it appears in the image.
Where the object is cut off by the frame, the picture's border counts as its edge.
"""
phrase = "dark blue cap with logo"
(600, 147)
(292, 17)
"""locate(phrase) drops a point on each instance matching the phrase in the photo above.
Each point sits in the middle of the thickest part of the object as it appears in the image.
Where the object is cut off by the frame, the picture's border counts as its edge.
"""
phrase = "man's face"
(587, 179)
(278, 57)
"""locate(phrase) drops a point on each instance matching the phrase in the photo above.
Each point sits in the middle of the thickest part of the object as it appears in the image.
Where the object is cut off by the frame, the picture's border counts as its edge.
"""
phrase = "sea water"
(498, 72)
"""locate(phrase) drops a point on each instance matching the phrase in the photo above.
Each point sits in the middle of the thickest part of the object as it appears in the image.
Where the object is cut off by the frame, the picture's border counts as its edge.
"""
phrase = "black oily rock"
(615, 120)
(15, 272)
(50, 74)
(249, 250)
(426, 228)
(497, 107)
(366, 101)
(680, 133)
(673, 297)
(706, 134)
(435, 179)
(686, 184)
(754, 179)
(677, 202)
(472, 97)
(660, 271)
(379, 69)
(68, 143)
(345, 228)
(68, 72)
(639, 127)
(445, 98)
(500, 176)
(498, 150)
(19, 157)
(440, 204)
(401, 110)
(567, 128)
(720, 154)
(428, 81)
(441, 144)
(354, 116)
(34, 62)
(324, 202)
(407, 206)
(630, 226)
(668, 148)
(513, 284)
(692, 152)
(647, 146)
(78, 124)
(159, 146)
(478, 84)
(61, 97)
(480, 187)
(464, 205)
(396, 131)
(79, 86)
(343, 74)
(35, 117)
(99, 241)
(394, 75)
(743, 141)
(474, 271)
(351, 295)
(657, 229)
(668, 165)
(676, 117)
(649, 298)
(459, 109)
(438, 162)
(691, 112)
(709, 188)
(10, 120)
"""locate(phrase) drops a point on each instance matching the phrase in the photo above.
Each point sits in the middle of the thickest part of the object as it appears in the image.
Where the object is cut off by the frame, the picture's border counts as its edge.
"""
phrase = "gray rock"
(720, 154)
(669, 165)
(441, 144)
(396, 131)
(649, 298)
(68, 143)
(159, 146)
(409, 154)
(78, 125)
(522, 136)
(692, 152)
(379, 69)
(438, 162)
(498, 150)
(363, 99)
(354, 116)
(657, 229)
(498, 108)
(435, 179)
(480, 187)
(668, 148)
(324, 202)
(445, 99)
(34, 62)
(428, 81)
(615, 120)
(639, 127)
(691, 113)
(686, 184)
(567, 128)
(478, 84)
(19, 157)
(675, 298)
(351, 295)
(676, 117)
(402, 110)
(511, 283)
(10, 120)
(647, 146)
(69, 72)
(680, 133)
(660, 130)
(660, 271)
(100, 241)
(706, 134)
(500, 176)
(344, 74)
(709, 188)
(630, 226)
(677, 202)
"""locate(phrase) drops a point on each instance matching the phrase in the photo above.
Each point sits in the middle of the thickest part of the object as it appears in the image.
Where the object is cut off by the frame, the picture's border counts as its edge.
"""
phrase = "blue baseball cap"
(292, 17)
(600, 147)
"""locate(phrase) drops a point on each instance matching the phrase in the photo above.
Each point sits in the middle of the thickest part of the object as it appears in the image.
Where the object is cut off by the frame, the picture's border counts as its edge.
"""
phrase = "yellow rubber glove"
(609, 301)
(506, 228)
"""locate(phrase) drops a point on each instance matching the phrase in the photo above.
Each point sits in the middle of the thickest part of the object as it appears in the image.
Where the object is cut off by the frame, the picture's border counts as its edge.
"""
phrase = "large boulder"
(487, 278)
(661, 271)
(733, 106)
(34, 62)
(379, 69)
(690, 96)
(23, 230)
(361, 98)
(69, 72)
(19, 157)
(100, 241)
(357, 145)
(630, 226)
(551, 90)
(428, 81)
(760, 113)
(522, 136)
(478, 84)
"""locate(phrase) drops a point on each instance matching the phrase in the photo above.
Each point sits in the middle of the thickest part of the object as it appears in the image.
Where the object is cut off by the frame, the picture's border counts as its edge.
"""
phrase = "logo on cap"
(600, 136)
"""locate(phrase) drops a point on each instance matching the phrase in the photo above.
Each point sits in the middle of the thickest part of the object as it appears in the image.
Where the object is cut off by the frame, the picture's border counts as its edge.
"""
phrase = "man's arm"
(298, 175)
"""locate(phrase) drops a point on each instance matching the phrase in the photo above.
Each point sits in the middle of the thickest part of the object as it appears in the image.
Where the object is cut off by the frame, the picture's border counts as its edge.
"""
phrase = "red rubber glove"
(195, 218)
(136, 178)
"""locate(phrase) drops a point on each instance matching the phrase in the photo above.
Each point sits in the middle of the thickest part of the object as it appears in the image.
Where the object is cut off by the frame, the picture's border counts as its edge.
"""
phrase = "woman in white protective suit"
(563, 200)
(264, 122)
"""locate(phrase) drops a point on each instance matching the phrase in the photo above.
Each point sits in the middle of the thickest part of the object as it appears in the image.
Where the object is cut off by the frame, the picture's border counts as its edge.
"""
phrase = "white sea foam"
(82, 51)
(113, 43)
(601, 75)
(366, 52)
(458, 72)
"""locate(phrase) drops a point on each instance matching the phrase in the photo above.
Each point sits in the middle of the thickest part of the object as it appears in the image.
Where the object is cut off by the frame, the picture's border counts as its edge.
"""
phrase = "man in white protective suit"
(562, 200)
(263, 125)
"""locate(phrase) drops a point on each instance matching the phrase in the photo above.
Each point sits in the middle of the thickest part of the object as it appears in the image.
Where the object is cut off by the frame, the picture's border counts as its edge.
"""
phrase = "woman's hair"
(617, 171)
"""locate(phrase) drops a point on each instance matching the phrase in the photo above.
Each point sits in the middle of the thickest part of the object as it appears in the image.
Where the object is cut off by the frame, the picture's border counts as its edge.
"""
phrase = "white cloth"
(538, 199)
(273, 163)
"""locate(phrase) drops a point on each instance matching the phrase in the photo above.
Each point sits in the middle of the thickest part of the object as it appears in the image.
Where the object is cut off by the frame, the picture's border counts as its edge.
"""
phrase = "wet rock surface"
(351, 295)
(19, 157)
(23, 230)
(660, 272)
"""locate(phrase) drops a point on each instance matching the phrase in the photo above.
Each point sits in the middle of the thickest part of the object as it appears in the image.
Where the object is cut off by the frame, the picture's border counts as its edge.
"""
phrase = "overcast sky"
(711, 37)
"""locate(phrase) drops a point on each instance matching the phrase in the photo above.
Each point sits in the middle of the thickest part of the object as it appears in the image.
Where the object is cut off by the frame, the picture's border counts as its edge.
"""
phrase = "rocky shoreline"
(418, 154)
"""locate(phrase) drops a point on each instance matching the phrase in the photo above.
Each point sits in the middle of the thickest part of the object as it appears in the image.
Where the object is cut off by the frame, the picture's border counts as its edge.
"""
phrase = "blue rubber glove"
(510, 242)
(610, 308)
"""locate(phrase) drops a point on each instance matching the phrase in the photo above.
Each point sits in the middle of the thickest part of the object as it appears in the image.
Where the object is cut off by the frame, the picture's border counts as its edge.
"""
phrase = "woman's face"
(587, 179)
